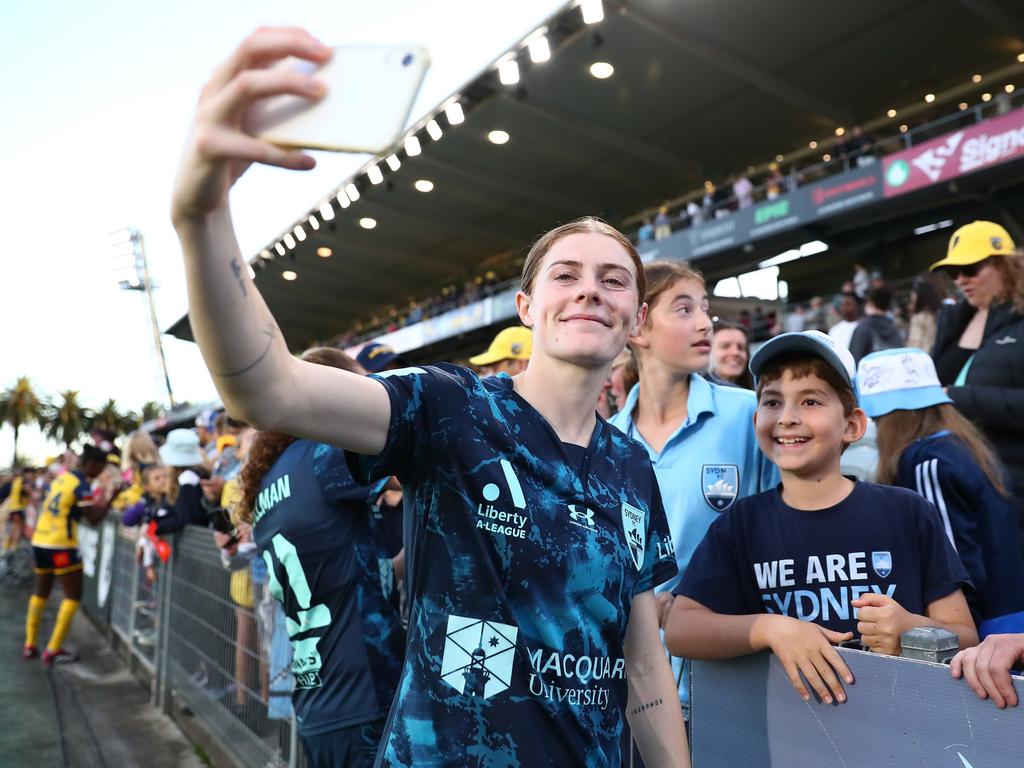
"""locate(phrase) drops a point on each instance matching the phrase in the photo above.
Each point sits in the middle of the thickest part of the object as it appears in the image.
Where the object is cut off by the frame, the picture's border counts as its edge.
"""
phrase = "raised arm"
(255, 375)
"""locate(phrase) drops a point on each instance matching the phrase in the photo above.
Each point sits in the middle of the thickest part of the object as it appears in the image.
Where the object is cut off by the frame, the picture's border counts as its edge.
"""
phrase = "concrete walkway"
(91, 714)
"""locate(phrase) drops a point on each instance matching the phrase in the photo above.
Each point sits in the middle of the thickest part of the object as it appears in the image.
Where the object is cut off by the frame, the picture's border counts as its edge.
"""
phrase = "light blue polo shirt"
(709, 462)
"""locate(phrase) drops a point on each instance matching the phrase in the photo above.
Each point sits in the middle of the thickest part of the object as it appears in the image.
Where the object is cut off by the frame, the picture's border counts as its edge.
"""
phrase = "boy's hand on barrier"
(986, 667)
(807, 648)
(881, 621)
(219, 150)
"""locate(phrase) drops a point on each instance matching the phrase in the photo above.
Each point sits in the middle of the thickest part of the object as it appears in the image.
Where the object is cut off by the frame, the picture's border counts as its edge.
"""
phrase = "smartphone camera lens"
(407, 60)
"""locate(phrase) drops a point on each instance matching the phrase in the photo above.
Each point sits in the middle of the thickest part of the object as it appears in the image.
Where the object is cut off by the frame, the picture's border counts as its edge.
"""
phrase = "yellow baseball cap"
(514, 343)
(975, 242)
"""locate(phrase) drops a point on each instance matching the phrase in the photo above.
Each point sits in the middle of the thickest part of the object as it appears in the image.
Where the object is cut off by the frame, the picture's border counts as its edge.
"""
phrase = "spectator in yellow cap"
(509, 353)
(979, 343)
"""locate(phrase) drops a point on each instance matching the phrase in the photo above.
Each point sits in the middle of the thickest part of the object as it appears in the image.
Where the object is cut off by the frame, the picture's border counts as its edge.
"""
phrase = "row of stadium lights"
(928, 98)
(539, 50)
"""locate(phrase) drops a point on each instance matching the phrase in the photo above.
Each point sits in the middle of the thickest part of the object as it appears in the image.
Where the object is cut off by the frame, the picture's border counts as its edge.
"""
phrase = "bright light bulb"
(300, 233)
(353, 192)
(393, 162)
(279, 248)
(813, 145)
(367, 223)
(434, 130)
(986, 97)
(1008, 87)
(826, 157)
(962, 106)
(343, 199)
(252, 273)
(289, 275)
(778, 158)
(540, 49)
(324, 252)
(929, 97)
(412, 146)
(498, 137)
(289, 241)
(840, 131)
(375, 175)
(904, 128)
(454, 113)
(975, 78)
(424, 185)
(602, 70)
(891, 113)
(593, 11)
(313, 222)
(508, 72)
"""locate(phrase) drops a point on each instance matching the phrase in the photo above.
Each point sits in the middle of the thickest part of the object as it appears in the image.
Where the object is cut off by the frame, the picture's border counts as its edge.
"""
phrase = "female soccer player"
(538, 529)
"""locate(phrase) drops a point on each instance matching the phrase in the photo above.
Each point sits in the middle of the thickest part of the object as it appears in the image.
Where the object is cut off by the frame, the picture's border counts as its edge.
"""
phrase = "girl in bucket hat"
(926, 445)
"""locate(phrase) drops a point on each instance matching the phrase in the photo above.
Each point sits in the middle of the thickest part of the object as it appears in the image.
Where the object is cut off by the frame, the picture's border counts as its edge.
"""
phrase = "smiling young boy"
(821, 558)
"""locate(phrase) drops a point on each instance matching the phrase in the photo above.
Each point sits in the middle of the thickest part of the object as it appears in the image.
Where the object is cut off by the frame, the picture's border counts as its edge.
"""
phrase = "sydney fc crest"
(882, 563)
(720, 483)
(636, 533)
(478, 656)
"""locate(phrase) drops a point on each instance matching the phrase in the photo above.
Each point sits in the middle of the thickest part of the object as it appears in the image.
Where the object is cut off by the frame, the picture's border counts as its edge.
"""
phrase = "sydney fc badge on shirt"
(882, 563)
(636, 532)
(720, 483)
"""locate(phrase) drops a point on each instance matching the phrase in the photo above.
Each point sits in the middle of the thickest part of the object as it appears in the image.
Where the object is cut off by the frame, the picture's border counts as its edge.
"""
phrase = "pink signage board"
(989, 143)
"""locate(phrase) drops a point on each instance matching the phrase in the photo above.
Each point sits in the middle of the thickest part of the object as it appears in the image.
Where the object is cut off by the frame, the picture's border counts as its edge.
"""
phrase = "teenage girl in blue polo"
(539, 532)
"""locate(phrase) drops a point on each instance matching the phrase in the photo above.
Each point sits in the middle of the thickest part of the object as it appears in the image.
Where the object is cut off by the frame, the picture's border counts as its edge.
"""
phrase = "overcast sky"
(99, 97)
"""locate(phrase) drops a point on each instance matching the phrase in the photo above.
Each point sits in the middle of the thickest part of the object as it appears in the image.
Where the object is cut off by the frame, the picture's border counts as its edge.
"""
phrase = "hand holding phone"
(370, 92)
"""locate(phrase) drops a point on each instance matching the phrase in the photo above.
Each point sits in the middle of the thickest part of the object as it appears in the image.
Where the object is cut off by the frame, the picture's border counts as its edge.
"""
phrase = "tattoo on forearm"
(238, 275)
(647, 706)
(270, 332)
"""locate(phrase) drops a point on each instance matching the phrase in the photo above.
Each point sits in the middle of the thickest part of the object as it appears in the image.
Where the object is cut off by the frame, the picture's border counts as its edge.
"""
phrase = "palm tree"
(20, 405)
(66, 421)
(110, 418)
(151, 410)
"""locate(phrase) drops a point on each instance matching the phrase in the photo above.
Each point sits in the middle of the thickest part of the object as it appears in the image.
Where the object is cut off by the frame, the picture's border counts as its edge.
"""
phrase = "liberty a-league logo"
(720, 483)
(882, 563)
(478, 656)
(636, 532)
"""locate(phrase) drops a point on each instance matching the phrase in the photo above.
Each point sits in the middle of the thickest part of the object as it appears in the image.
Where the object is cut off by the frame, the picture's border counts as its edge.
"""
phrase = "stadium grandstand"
(862, 142)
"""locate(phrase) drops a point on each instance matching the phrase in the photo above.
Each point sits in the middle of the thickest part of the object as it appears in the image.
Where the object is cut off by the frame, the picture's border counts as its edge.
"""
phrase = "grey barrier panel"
(900, 712)
(89, 541)
(211, 654)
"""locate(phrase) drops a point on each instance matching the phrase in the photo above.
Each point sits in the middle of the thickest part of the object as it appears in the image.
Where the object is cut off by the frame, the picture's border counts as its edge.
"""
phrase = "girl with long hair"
(538, 532)
(699, 435)
(926, 445)
(314, 527)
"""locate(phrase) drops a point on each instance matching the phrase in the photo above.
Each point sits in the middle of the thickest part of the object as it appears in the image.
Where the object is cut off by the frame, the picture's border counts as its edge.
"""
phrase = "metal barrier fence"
(204, 633)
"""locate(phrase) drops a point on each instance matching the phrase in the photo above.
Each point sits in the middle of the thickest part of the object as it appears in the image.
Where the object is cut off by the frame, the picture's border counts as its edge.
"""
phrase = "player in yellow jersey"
(17, 503)
(55, 550)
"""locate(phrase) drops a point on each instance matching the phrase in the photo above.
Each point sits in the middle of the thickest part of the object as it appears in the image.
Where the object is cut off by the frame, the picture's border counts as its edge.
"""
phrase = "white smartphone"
(370, 92)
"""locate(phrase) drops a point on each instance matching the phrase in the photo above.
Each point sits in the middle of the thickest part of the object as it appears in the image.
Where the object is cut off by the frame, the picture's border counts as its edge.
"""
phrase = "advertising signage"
(802, 206)
(984, 145)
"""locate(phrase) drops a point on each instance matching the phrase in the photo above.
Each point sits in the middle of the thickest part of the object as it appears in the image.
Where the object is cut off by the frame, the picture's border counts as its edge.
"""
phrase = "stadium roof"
(700, 90)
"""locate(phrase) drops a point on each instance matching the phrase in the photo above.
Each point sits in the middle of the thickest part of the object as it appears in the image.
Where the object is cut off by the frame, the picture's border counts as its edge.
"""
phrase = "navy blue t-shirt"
(314, 528)
(981, 523)
(523, 565)
(763, 556)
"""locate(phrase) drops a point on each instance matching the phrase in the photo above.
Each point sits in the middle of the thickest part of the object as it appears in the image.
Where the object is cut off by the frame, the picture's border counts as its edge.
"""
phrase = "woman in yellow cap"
(979, 344)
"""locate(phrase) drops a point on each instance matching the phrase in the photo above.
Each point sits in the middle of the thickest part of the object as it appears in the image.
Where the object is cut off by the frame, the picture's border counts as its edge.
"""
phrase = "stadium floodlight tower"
(132, 270)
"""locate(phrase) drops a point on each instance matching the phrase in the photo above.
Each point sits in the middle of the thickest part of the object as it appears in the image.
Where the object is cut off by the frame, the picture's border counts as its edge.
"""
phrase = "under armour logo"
(1006, 340)
(582, 518)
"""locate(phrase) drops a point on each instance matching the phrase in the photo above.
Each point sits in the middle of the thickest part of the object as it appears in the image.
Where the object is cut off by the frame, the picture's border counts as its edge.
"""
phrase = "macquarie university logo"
(636, 533)
(882, 563)
(720, 484)
(478, 656)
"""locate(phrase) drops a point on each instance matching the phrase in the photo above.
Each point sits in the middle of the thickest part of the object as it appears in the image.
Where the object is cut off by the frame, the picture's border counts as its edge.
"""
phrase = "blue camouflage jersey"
(316, 532)
(524, 557)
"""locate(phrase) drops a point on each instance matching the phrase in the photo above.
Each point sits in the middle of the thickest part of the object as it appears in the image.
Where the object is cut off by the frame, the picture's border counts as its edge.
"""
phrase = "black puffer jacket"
(993, 395)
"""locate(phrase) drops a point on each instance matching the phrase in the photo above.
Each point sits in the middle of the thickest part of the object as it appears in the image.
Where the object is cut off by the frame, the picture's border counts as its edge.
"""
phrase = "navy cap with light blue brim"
(813, 343)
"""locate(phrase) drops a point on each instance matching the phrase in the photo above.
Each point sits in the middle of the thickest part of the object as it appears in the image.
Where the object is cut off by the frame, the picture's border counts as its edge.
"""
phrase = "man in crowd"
(849, 316)
(376, 357)
(509, 353)
(877, 331)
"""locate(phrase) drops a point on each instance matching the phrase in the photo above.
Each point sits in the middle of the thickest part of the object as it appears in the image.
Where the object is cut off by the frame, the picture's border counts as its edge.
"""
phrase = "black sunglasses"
(967, 270)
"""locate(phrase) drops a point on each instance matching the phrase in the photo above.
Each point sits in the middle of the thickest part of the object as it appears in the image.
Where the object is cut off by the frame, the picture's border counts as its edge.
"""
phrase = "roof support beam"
(609, 138)
(505, 184)
(735, 66)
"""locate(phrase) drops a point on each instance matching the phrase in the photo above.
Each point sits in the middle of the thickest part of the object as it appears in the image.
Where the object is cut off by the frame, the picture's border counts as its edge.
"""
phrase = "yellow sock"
(36, 606)
(67, 611)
